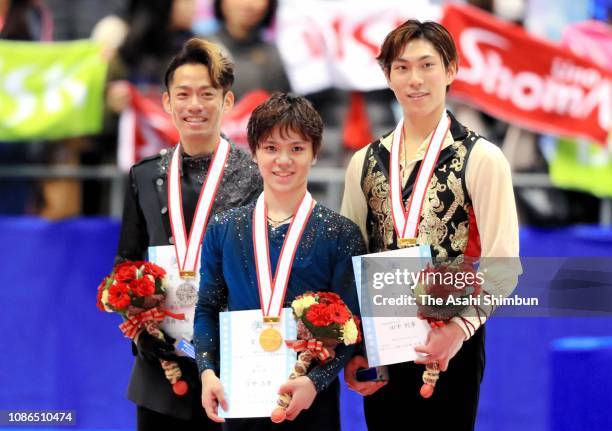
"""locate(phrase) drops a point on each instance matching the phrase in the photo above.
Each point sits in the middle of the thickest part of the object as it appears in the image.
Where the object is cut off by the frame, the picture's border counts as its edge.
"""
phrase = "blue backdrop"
(59, 352)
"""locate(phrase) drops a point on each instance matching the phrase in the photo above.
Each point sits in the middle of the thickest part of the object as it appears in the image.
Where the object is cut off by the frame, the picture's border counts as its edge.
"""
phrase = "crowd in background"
(139, 38)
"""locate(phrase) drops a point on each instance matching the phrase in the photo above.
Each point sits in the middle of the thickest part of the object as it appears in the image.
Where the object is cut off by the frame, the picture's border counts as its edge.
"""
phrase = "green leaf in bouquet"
(330, 331)
(160, 287)
(138, 301)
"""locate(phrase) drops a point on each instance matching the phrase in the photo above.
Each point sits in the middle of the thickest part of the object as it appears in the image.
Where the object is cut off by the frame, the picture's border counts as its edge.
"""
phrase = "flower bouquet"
(447, 298)
(135, 290)
(323, 322)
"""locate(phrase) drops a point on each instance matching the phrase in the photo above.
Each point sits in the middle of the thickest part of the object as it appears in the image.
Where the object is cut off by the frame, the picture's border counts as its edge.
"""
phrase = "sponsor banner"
(333, 43)
(50, 90)
(579, 164)
(525, 80)
(590, 39)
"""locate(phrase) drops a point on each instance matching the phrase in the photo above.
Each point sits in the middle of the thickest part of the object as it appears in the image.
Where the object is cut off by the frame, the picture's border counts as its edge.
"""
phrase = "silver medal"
(187, 294)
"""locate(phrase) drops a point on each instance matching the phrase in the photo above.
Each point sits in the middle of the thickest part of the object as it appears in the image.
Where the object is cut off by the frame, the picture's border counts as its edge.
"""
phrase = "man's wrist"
(311, 384)
(207, 373)
(457, 328)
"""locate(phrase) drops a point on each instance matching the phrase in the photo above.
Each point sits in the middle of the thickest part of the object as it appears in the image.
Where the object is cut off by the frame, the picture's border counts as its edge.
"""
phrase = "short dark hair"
(287, 112)
(266, 20)
(431, 31)
(200, 51)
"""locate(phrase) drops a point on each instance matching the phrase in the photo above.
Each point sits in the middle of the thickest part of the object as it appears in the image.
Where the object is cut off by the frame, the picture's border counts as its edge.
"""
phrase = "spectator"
(156, 31)
(257, 62)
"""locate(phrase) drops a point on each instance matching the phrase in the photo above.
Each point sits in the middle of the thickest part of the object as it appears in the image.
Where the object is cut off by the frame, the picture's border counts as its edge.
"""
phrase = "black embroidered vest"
(447, 220)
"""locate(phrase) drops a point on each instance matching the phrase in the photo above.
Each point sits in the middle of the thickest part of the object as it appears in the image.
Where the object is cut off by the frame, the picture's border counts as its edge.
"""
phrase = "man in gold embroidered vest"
(467, 209)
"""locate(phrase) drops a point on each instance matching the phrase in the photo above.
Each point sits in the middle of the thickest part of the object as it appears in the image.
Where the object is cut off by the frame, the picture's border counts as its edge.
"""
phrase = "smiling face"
(284, 159)
(419, 79)
(196, 107)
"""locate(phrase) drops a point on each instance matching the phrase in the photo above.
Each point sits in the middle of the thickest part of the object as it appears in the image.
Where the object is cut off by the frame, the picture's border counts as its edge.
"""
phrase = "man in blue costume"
(284, 135)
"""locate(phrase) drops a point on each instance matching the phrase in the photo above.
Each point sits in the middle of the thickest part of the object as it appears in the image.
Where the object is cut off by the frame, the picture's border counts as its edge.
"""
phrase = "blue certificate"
(250, 375)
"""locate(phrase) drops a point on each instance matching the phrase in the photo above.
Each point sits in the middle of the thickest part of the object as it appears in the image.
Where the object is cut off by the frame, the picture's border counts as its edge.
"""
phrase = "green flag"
(50, 90)
(581, 165)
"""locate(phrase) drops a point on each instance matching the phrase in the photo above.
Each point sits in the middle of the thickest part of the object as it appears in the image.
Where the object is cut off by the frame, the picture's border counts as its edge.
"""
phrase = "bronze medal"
(406, 242)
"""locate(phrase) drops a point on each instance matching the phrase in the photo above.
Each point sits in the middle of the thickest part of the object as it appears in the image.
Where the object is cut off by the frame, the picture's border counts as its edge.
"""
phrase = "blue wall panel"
(57, 351)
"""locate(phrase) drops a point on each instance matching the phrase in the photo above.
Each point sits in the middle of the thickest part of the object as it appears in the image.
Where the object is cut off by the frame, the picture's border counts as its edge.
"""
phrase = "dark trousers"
(453, 405)
(323, 415)
(149, 420)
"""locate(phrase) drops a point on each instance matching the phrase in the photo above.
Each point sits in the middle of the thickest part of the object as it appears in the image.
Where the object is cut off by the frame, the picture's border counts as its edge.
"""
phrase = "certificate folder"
(390, 332)
(251, 376)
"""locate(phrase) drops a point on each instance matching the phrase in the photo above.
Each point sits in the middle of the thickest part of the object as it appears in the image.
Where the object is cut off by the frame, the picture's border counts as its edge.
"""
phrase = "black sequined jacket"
(146, 223)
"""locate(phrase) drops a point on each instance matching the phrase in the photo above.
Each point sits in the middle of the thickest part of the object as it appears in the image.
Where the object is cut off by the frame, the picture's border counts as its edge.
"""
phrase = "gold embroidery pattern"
(376, 188)
(459, 239)
(444, 216)
(460, 151)
(434, 226)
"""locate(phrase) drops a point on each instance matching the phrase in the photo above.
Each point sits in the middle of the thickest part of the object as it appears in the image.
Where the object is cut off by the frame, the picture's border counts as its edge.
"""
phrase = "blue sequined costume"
(228, 276)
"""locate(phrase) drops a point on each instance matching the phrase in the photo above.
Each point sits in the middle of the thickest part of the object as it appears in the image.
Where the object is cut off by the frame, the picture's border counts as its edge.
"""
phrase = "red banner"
(234, 123)
(144, 129)
(525, 80)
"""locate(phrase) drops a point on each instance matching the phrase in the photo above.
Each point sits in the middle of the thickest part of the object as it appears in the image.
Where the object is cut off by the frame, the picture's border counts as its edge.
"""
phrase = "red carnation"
(125, 272)
(119, 296)
(99, 301)
(338, 313)
(329, 298)
(318, 315)
(154, 270)
(131, 293)
(143, 286)
(100, 292)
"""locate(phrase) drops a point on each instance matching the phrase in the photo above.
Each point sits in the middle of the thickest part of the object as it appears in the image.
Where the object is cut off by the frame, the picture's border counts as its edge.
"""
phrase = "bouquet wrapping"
(439, 282)
(136, 290)
(323, 322)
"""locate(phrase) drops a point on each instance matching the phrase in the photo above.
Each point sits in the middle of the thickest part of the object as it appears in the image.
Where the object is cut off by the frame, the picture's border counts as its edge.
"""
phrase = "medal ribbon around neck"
(406, 223)
(188, 248)
(272, 290)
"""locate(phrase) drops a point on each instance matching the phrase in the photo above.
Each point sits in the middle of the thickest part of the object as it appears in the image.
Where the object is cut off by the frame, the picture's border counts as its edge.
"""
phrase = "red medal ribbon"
(272, 290)
(406, 218)
(187, 248)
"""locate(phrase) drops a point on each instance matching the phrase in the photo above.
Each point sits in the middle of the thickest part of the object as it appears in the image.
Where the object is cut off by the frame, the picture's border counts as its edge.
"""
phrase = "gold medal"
(270, 339)
(406, 242)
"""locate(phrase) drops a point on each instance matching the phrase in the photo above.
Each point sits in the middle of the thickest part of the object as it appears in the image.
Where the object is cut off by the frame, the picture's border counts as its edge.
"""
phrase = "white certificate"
(251, 376)
(391, 335)
(181, 294)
